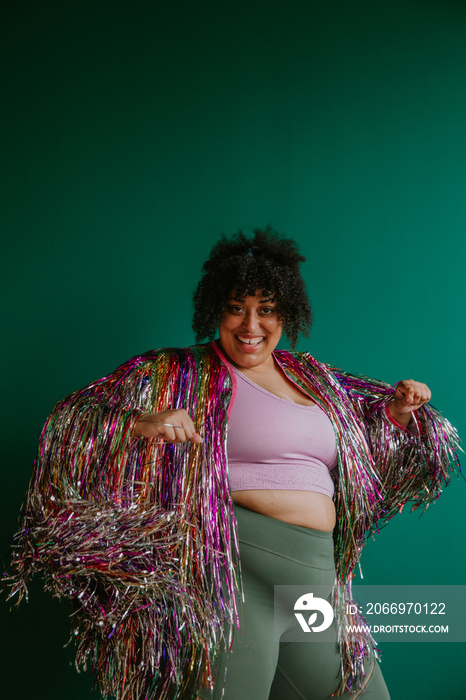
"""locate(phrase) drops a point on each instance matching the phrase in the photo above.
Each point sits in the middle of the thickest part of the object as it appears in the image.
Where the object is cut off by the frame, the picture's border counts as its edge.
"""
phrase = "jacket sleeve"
(102, 534)
(413, 464)
(83, 452)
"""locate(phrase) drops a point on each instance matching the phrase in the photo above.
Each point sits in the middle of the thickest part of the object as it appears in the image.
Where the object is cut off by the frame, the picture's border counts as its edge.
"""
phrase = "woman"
(135, 515)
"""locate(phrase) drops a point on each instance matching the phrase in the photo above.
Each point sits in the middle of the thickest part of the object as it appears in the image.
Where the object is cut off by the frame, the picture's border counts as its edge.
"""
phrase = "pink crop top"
(277, 444)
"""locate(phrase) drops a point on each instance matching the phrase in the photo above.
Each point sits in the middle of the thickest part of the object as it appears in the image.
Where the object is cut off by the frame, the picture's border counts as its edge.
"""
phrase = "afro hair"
(265, 262)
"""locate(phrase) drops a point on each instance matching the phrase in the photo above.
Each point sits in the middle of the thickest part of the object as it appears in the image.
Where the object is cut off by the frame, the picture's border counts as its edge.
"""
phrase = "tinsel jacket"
(140, 534)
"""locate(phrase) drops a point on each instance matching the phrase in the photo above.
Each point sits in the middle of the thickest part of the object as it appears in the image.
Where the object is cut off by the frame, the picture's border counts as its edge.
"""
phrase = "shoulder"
(302, 366)
(191, 353)
(190, 360)
(164, 361)
(303, 359)
(292, 354)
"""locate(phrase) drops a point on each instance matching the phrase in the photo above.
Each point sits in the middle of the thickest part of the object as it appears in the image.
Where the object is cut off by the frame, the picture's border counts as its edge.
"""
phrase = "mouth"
(250, 343)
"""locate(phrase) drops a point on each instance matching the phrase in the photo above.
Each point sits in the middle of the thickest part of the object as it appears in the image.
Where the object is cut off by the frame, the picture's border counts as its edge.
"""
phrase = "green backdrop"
(133, 134)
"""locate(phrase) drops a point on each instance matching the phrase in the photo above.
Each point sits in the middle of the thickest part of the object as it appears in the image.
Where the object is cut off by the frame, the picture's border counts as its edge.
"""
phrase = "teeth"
(250, 341)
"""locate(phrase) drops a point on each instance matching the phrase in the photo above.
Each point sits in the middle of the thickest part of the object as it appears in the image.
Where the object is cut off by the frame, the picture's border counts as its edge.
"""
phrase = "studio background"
(134, 134)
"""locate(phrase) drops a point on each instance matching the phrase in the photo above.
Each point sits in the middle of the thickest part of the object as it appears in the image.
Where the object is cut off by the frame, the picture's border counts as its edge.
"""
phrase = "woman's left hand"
(409, 396)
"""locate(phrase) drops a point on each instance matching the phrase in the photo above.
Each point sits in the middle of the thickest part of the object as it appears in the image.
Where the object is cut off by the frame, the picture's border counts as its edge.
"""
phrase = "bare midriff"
(305, 508)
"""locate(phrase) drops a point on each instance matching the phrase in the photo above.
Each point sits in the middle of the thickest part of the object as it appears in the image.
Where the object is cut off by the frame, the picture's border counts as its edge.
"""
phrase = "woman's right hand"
(173, 426)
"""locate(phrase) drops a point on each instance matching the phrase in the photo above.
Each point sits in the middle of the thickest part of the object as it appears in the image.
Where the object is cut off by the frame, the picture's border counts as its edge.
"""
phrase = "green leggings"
(259, 667)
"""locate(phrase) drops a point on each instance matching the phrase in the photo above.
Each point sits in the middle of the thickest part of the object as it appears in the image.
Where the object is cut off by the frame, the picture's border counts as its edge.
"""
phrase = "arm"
(413, 446)
(82, 481)
(106, 532)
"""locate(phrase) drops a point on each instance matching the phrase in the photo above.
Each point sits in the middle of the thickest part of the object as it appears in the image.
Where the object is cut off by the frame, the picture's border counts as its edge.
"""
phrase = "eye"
(268, 310)
(235, 309)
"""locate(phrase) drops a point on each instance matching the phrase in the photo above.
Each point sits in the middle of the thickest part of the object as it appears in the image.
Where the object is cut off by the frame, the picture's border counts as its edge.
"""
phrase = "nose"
(251, 321)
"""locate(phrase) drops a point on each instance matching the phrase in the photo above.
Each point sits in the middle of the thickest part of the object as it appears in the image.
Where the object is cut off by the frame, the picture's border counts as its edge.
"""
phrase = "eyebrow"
(261, 301)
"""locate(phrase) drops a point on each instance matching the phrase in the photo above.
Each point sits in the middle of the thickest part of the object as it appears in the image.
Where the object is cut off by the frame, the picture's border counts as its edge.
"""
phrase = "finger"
(183, 433)
(426, 393)
(167, 433)
(421, 394)
(173, 433)
(183, 421)
(168, 425)
(174, 426)
(409, 397)
(197, 436)
(191, 433)
(149, 428)
(405, 393)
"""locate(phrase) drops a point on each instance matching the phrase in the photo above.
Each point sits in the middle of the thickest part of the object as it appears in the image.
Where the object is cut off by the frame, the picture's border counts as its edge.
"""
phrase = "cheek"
(275, 328)
(226, 325)
(277, 335)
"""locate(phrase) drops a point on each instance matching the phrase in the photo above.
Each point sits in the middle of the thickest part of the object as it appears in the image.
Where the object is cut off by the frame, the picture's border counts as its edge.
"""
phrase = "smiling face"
(250, 330)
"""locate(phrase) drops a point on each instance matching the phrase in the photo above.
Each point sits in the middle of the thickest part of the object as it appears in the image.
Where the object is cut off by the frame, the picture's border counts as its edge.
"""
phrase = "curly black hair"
(263, 262)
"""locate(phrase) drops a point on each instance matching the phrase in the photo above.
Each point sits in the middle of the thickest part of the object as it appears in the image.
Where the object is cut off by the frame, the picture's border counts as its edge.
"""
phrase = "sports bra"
(273, 443)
